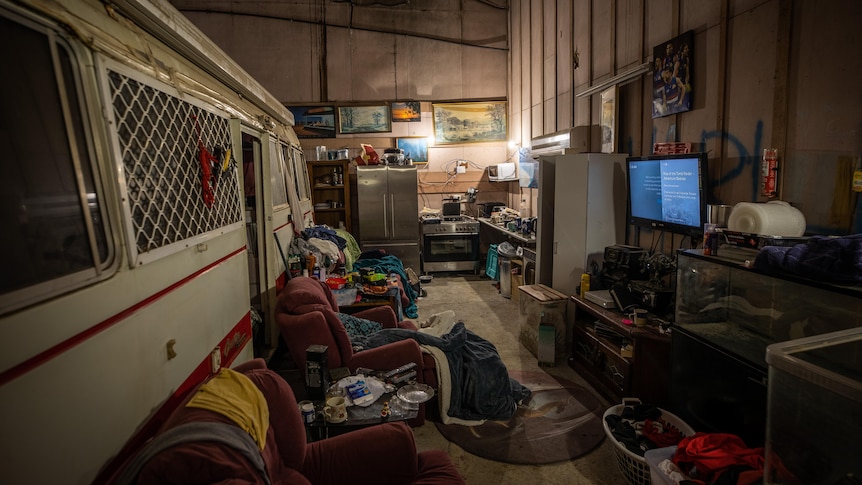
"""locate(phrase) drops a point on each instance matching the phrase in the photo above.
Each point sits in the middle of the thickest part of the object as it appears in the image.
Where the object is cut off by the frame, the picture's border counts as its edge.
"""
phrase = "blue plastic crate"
(491, 264)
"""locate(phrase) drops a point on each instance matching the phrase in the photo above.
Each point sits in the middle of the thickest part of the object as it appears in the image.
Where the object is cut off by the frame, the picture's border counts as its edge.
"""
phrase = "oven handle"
(450, 234)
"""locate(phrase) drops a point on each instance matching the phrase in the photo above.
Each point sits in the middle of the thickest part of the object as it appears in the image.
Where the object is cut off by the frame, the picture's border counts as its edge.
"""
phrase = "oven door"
(450, 252)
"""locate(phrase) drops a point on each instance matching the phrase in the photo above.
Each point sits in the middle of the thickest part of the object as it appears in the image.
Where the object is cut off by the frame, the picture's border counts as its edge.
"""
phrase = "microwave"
(502, 172)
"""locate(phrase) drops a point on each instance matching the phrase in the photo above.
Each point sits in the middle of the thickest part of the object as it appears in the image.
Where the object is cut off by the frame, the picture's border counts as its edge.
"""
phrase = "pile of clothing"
(640, 427)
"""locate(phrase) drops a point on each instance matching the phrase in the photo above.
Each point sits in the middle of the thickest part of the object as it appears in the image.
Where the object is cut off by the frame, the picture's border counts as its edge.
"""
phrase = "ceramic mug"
(335, 410)
(639, 317)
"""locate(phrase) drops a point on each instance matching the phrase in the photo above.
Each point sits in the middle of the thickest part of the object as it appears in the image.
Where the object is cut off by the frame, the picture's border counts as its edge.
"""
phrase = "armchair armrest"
(390, 356)
(384, 454)
(383, 314)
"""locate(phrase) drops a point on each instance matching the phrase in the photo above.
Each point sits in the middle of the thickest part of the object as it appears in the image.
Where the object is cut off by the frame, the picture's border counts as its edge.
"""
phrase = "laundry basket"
(635, 467)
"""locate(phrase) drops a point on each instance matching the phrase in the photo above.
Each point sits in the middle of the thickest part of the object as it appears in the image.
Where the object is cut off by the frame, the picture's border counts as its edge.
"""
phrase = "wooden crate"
(535, 300)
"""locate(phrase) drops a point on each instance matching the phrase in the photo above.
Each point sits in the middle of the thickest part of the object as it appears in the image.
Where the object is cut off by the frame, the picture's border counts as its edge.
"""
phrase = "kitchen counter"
(525, 240)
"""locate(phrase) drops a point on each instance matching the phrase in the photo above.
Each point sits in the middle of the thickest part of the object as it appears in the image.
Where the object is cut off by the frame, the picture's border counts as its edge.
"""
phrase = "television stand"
(598, 356)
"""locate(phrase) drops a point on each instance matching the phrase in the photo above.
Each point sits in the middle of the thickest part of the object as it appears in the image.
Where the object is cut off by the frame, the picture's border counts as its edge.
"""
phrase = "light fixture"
(618, 79)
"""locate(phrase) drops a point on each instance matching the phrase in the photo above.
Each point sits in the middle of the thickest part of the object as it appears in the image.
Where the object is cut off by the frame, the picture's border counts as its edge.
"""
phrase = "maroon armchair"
(381, 454)
(306, 315)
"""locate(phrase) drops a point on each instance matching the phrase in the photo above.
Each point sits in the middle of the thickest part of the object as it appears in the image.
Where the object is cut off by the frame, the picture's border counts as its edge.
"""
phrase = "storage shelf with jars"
(330, 192)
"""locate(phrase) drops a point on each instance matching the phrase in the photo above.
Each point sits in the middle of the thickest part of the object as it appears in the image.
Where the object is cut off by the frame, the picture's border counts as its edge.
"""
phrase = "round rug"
(559, 421)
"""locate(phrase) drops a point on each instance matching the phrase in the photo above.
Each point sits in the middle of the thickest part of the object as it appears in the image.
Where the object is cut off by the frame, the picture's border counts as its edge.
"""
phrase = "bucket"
(774, 218)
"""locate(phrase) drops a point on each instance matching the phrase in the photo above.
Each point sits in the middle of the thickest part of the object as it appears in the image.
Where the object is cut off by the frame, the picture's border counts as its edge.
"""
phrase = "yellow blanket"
(234, 396)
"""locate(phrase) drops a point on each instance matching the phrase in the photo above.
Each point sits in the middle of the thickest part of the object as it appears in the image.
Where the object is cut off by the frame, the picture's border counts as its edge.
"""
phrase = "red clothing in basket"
(705, 455)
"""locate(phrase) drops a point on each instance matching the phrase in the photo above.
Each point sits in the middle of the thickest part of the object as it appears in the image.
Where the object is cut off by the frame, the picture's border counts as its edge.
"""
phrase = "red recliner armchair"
(381, 454)
(306, 315)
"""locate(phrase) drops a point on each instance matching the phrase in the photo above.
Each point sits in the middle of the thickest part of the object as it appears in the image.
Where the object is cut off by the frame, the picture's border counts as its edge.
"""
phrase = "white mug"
(335, 410)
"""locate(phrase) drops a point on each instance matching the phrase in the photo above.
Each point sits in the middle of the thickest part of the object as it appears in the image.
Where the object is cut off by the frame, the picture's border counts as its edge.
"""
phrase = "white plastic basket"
(635, 467)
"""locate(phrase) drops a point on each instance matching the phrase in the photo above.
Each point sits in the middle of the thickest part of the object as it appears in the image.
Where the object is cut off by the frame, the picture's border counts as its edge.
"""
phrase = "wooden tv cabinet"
(600, 360)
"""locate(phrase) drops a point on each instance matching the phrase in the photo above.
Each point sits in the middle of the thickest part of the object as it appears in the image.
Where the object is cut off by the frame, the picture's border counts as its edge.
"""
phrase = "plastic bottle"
(524, 211)
(310, 262)
(585, 284)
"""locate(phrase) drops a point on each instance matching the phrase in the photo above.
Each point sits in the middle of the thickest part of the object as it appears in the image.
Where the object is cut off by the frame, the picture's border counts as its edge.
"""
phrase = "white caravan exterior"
(127, 275)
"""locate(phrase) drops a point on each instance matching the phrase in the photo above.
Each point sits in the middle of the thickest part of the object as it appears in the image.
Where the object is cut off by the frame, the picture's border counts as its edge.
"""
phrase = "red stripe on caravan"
(43, 357)
(280, 282)
(230, 347)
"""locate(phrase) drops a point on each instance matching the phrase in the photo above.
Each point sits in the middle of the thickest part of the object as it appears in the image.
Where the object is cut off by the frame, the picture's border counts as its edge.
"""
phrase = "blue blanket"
(823, 258)
(481, 386)
(386, 264)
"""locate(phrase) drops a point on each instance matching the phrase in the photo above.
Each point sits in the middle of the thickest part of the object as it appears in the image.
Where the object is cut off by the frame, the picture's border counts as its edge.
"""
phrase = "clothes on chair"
(234, 396)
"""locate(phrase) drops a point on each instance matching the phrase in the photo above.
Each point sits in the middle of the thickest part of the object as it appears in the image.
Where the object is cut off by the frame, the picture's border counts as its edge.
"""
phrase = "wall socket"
(462, 166)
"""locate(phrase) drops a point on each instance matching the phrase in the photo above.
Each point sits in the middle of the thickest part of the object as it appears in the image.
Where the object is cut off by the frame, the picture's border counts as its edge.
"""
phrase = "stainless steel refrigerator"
(388, 206)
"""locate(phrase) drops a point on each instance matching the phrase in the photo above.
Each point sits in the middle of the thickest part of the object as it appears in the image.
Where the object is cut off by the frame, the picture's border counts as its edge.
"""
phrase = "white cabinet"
(588, 213)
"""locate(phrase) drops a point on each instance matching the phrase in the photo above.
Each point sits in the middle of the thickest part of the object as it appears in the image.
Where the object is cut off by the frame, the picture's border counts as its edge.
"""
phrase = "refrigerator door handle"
(385, 218)
(392, 212)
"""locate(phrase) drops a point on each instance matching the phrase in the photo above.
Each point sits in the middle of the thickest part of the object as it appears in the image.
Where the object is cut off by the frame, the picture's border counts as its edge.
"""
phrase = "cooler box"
(814, 408)
(532, 302)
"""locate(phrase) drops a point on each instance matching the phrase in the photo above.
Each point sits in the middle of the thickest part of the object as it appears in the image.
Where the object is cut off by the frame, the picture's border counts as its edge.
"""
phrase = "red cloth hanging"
(207, 161)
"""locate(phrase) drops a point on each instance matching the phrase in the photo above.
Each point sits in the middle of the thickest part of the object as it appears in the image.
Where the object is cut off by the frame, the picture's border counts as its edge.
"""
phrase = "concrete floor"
(477, 303)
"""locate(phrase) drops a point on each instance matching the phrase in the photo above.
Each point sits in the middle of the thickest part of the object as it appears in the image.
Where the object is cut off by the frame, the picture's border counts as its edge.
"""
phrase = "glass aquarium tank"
(814, 413)
(726, 315)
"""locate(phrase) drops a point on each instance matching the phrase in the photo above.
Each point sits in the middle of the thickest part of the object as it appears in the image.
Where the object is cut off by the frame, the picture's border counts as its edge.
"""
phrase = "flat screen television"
(668, 192)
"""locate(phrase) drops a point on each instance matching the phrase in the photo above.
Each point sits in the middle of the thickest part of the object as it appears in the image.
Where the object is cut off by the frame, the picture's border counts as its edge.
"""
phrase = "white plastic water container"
(774, 218)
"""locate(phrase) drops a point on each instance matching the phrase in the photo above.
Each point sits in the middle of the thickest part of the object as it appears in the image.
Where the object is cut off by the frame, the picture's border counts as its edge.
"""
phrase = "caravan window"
(276, 175)
(300, 172)
(160, 139)
(55, 234)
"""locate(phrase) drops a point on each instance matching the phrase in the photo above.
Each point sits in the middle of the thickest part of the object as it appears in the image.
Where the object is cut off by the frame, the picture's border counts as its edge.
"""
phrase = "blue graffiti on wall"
(747, 159)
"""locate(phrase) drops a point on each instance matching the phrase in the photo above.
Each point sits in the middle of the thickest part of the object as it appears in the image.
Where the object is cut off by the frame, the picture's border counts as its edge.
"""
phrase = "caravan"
(150, 188)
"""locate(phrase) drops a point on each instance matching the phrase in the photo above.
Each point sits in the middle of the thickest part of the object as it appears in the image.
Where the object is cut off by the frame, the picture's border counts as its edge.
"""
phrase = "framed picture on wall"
(472, 122)
(364, 119)
(609, 119)
(415, 148)
(672, 76)
(406, 111)
(313, 121)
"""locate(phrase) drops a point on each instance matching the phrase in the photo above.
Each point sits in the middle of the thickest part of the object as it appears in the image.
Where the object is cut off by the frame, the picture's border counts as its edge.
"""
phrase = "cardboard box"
(533, 302)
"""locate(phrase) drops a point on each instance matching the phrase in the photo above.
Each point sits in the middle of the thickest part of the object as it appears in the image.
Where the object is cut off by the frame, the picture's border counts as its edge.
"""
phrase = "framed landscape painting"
(313, 121)
(364, 119)
(415, 148)
(406, 111)
(471, 122)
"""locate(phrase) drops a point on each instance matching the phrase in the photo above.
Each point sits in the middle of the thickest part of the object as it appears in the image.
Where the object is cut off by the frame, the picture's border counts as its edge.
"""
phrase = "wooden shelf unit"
(321, 174)
(645, 375)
